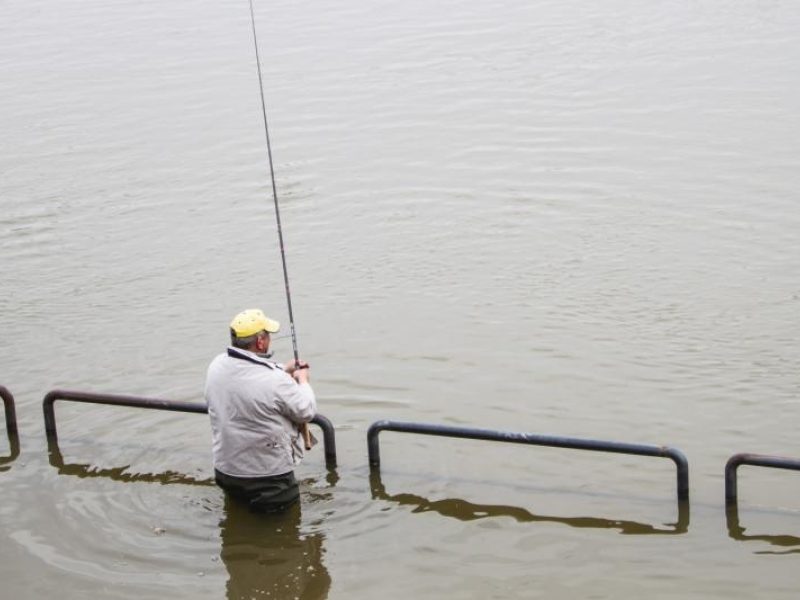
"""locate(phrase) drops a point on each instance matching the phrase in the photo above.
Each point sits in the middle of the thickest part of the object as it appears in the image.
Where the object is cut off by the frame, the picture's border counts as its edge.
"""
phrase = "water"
(555, 217)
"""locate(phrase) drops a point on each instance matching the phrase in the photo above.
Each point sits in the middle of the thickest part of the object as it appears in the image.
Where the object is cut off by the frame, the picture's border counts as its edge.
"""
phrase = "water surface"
(553, 217)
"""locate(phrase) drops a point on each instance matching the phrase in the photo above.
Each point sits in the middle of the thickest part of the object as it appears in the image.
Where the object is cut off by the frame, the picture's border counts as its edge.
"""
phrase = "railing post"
(682, 471)
(10, 410)
(373, 443)
(11, 428)
(731, 485)
(48, 409)
(328, 439)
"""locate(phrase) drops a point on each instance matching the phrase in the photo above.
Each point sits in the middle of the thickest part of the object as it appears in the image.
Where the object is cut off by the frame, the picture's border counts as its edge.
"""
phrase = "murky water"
(567, 218)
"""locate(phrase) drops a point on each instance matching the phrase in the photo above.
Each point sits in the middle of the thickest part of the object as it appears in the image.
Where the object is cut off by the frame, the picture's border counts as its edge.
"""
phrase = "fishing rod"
(274, 190)
(308, 439)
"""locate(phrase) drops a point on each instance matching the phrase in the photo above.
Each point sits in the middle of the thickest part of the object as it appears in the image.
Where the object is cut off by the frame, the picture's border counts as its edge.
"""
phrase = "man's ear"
(261, 342)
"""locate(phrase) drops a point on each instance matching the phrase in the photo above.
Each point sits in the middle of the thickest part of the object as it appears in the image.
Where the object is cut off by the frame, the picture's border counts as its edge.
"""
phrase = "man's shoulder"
(219, 358)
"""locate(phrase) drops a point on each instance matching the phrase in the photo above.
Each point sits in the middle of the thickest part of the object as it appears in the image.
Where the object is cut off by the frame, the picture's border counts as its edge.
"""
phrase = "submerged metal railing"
(756, 460)
(682, 465)
(328, 432)
(11, 412)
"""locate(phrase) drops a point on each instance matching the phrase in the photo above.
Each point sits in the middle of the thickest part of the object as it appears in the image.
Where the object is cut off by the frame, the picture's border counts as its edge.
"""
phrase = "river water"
(567, 218)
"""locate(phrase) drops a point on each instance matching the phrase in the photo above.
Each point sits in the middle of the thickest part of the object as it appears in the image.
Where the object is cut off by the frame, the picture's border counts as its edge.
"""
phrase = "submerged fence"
(373, 444)
(48, 406)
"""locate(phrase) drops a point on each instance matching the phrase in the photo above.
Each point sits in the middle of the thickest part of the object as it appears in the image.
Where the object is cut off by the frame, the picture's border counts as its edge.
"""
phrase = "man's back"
(255, 410)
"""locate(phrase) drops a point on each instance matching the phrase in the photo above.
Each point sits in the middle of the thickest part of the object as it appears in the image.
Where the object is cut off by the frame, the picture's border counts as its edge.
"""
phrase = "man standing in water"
(257, 410)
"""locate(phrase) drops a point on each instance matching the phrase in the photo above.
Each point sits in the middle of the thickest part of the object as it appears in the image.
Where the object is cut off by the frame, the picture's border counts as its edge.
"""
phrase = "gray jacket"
(255, 409)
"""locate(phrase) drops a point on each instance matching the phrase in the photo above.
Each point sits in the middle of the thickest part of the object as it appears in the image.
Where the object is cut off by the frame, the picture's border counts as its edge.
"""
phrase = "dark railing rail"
(328, 433)
(11, 412)
(373, 445)
(756, 460)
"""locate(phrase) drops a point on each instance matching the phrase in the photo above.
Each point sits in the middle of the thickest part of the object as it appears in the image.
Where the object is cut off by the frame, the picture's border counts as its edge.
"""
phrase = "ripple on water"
(123, 534)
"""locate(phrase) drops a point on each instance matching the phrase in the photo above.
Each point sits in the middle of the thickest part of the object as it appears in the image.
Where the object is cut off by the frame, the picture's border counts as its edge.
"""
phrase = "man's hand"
(298, 370)
(301, 374)
(292, 366)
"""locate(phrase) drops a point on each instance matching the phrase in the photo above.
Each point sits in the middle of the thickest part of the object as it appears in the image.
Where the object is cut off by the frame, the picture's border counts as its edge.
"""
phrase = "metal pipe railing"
(11, 413)
(328, 432)
(682, 465)
(756, 460)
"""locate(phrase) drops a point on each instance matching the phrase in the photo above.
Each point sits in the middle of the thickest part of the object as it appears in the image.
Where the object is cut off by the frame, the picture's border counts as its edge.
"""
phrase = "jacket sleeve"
(295, 401)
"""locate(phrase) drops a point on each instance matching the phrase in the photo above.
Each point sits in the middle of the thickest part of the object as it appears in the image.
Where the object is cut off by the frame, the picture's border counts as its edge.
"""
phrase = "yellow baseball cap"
(251, 321)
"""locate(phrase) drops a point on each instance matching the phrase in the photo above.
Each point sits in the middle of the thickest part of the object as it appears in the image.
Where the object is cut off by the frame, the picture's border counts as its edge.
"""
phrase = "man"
(258, 410)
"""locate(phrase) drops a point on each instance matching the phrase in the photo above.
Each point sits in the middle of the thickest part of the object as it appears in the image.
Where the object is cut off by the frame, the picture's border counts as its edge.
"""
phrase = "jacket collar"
(250, 357)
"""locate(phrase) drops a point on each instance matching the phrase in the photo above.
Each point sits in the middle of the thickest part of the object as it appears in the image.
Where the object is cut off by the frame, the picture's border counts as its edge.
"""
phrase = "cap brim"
(272, 326)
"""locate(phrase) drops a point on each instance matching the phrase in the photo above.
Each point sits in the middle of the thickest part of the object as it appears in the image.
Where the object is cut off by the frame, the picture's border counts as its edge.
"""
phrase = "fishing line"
(274, 189)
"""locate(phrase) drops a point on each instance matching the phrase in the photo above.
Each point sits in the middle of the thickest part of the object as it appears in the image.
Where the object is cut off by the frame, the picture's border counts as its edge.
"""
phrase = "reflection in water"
(736, 531)
(13, 443)
(267, 556)
(118, 473)
(467, 511)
